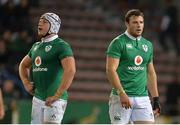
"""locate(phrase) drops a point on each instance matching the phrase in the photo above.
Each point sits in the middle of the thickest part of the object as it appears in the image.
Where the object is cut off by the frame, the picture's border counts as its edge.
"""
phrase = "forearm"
(152, 84)
(23, 73)
(114, 80)
(66, 82)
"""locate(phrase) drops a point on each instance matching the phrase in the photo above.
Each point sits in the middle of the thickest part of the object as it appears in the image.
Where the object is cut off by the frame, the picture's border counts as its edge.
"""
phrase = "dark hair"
(133, 12)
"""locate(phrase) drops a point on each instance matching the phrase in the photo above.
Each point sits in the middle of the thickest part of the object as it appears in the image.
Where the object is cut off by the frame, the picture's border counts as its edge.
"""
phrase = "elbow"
(152, 75)
(20, 65)
(71, 71)
(109, 71)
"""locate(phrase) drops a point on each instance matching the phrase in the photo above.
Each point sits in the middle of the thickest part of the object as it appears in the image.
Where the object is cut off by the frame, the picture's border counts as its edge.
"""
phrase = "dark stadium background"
(89, 26)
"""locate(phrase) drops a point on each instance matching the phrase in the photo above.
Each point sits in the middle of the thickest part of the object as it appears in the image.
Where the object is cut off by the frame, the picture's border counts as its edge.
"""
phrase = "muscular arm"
(111, 67)
(152, 87)
(68, 65)
(24, 68)
(152, 81)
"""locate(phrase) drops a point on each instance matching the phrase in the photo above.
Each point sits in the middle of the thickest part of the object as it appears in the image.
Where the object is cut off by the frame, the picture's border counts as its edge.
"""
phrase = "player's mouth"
(138, 30)
(39, 28)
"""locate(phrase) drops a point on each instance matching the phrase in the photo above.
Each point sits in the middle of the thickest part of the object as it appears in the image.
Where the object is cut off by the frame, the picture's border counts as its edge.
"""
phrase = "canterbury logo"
(53, 116)
(48, 48)
(117, 118)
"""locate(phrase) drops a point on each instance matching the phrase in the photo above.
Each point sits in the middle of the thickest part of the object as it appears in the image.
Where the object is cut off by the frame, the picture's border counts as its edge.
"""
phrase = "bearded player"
(129, 68)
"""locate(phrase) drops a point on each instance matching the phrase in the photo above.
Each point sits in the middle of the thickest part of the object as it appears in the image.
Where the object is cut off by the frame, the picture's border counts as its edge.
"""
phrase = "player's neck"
(133, 37)
(49, 38)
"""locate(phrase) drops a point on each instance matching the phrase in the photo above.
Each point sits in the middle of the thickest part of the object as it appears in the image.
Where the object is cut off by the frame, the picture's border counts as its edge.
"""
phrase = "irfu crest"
(48, 48)
(145, 48)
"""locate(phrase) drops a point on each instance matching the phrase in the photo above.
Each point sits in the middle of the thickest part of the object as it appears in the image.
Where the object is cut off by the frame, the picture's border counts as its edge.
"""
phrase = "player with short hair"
(129, 67)
(52, 65)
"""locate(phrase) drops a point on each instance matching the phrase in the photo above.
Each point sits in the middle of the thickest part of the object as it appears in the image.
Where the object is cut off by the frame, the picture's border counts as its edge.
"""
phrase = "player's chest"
(138, 52)
(45, 52)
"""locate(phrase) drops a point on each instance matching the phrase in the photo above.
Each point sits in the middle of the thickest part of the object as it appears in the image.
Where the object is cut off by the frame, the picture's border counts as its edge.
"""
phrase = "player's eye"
(45, 21)
(141, 22)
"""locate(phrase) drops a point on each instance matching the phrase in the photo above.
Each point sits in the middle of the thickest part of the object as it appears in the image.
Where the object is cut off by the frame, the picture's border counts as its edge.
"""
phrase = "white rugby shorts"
(141, 110)
(47, 114)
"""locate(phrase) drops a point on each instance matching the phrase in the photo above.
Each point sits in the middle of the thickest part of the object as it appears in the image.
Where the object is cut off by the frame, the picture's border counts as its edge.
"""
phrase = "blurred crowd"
(161, 22)
(15, 41)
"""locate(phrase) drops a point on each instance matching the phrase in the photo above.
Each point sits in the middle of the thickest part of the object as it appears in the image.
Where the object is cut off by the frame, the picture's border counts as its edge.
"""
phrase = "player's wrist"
(58, 94)
(120, 91)
(25, 81)
(156, 104)
(156, 99)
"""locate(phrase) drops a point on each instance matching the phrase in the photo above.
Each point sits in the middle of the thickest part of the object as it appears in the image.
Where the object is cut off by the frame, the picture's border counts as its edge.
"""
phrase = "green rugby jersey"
(47, 70)
(134, 55)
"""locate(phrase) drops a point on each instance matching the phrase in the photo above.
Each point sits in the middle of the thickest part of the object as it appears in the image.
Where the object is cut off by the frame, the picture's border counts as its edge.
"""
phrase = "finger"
(156, 110)
(127, 107)
(123, 105)
(47, 103)
(130, 105)
(156, 114)
(31, 92)
(31, 85)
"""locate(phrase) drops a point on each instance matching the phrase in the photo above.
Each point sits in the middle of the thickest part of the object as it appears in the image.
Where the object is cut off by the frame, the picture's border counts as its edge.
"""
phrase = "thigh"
(117, 113)
(142, 111)
(37, 112)
(54, 114)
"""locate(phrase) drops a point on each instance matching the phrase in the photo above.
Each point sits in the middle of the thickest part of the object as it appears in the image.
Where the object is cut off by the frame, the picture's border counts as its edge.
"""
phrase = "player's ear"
(127, 24)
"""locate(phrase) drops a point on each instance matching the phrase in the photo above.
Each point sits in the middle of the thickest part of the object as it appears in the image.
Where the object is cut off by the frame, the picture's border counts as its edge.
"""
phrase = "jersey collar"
(49, 39)
(132, 37)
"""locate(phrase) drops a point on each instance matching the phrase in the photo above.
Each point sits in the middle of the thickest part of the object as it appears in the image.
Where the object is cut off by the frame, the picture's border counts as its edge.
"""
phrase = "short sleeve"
(65, 51)
(151, 54)
(114, 50)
